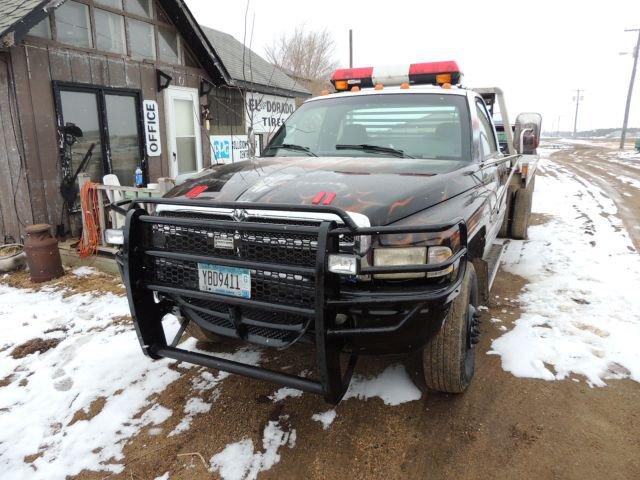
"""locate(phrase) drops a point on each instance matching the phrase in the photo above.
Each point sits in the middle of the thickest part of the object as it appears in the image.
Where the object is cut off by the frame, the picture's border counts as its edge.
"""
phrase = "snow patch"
(193, 407)
(581, 308)
(393, 386)
(325, 418)
(285, 392)
(84, 271)
(240, 461)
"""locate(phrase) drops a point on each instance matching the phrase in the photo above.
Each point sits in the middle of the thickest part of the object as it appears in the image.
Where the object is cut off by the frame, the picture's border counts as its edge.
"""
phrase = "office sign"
(151, 128)
(266, 113)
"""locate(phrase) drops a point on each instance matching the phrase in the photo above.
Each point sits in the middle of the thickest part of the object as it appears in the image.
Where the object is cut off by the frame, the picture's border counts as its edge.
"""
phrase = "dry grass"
(35, 345)
(69, 283)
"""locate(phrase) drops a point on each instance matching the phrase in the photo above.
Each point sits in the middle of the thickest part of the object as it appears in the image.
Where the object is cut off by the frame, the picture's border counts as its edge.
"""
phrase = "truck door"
(495, 170)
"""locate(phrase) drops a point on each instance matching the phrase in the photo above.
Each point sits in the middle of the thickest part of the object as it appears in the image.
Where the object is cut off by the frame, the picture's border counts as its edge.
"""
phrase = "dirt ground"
(502, 427)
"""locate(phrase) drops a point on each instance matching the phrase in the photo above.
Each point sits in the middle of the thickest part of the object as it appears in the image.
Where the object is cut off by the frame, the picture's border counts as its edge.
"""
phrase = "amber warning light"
(428, 73)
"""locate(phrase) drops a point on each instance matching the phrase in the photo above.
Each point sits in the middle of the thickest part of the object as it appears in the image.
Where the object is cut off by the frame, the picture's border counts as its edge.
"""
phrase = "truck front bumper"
(293, 295)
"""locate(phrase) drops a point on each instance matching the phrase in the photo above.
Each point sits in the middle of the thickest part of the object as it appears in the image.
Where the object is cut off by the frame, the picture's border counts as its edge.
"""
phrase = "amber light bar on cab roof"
(430, 73)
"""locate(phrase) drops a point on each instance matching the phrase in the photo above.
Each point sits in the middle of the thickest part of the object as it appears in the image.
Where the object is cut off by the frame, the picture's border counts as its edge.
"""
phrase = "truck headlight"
(115, 236)
(343, 264)
(395, 257)
(439, 255)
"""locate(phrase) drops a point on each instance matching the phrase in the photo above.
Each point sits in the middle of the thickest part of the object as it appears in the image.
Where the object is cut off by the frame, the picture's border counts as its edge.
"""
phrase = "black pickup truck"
(368, 226)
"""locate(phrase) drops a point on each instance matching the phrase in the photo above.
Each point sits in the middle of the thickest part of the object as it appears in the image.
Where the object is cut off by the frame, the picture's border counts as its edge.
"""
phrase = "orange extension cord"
(91, 232)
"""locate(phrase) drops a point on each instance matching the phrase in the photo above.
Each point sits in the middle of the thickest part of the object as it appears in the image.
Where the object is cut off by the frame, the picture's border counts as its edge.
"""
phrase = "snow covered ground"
(83, 388)
(581, 308)
(46, 404)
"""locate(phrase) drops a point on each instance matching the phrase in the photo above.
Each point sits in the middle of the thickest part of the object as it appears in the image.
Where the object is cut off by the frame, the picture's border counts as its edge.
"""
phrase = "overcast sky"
(537, 53)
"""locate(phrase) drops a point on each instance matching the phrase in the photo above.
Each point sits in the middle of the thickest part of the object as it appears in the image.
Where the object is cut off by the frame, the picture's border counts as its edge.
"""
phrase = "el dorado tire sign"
(151, 128)
(267, 113)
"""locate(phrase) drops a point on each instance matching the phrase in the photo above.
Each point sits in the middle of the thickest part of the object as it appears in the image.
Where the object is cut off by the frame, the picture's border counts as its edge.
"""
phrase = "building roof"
(20, 15)
(257, 74)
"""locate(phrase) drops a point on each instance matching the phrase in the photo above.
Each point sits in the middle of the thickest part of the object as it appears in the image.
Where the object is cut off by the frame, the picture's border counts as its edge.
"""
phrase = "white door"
(183, 130)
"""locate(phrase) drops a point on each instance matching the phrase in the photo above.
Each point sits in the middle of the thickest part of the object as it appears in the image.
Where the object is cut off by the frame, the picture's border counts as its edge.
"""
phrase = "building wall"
(36, 65)
(15, 206)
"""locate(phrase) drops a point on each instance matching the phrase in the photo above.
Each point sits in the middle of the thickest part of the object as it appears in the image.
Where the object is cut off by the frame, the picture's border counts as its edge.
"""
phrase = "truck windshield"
(411, 125)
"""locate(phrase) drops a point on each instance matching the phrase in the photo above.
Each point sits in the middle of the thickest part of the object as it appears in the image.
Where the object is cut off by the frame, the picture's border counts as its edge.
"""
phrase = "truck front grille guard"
(147, 313)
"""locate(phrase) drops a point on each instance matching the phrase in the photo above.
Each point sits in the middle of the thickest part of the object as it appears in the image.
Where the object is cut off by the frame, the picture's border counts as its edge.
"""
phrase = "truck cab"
(369, 226)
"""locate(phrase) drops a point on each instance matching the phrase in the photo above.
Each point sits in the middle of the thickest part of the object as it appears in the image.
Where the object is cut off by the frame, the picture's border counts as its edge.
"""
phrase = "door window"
(487, 139)
(124, 142)
(81, 108)
(185, 135)
(108, 118)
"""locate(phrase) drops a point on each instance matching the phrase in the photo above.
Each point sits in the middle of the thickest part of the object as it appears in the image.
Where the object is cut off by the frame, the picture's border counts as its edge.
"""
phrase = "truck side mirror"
(526, 136)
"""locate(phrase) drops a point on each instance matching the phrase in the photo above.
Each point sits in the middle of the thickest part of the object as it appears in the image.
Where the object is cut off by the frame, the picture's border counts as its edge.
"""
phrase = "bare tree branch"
(305, 53)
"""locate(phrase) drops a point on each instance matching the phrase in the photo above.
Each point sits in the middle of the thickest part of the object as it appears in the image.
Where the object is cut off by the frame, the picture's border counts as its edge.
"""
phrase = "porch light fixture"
(205, 87)
(163, 80)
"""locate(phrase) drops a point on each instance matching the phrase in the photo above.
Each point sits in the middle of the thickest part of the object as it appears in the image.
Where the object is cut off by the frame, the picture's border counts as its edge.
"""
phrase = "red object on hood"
(195, 191)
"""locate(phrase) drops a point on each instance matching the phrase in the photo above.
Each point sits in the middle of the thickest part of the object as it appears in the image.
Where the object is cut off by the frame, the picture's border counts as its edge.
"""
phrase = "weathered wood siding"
(15, 206)
(35, 65)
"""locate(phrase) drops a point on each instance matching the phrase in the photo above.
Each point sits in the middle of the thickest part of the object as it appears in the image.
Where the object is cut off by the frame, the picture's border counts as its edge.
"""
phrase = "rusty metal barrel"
(43, 256)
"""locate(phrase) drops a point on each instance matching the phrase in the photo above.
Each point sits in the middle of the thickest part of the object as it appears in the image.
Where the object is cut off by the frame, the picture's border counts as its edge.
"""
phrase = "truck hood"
(383, 189)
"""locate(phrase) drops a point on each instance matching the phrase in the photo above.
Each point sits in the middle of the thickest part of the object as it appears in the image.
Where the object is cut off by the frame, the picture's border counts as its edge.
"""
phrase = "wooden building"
(139, 78)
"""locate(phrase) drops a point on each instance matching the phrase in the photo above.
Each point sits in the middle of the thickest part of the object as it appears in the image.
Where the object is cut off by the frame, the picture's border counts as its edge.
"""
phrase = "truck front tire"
(522, 211)
(448, 360)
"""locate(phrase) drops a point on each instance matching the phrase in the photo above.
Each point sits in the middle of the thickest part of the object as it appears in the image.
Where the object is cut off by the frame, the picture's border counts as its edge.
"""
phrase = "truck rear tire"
(448, 360)
(200, 334)
(522, 211)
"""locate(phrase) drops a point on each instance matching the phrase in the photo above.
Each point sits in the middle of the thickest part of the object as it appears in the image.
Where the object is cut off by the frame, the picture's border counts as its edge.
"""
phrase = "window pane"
(72, 24)
(110, 3)
(185, 135)
(139, 7)
(183, 111)
(141, 38)
(486, 132)
(42, 29)
(110, 32)
(81, 108)
(186, 147)
(168, 45)
(189, 61)
(123, 137)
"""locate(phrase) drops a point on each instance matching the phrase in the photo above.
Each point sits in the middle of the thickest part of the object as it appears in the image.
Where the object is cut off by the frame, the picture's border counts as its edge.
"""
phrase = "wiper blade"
(374, 148)
(292, 146)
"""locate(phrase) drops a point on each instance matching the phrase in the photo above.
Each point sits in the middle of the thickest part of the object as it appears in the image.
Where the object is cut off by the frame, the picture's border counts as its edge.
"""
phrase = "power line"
(623, 135)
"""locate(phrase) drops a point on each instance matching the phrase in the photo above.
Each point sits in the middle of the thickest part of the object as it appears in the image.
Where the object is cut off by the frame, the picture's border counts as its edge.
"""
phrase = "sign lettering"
(267, 113)
(151, 128)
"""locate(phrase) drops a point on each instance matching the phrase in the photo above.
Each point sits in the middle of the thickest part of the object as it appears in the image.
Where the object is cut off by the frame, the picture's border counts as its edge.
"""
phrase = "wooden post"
(82, 179)
(101, 218)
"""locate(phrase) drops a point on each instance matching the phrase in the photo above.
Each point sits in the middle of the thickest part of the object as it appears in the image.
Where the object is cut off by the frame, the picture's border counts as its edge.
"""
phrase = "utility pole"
(623, 136)
(350, 48)
(577, 98)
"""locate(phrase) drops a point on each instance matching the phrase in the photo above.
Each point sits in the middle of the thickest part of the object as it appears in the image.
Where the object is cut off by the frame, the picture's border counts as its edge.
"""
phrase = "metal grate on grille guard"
(271, 286)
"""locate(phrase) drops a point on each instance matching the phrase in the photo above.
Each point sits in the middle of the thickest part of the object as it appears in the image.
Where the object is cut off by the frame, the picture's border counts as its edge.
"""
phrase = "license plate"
(235, 282)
